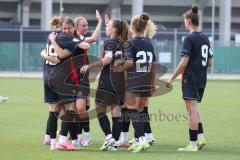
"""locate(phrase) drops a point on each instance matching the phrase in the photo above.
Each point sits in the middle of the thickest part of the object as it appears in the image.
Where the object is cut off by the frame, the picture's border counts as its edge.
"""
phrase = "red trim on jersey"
(74, 75)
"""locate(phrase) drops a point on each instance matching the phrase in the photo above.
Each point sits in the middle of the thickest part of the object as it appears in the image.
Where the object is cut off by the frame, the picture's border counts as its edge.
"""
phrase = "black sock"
(200, 128)
(135, 135)
(67, 122)
(86, 126)
(125, 120)
(116, 127)
(87, 107)
(48, 123)
(136, 122)
(73, 130)
(193, 134)
(79, 124)
(104, 123)
(53, 117)
(79, 128)
(147, 126)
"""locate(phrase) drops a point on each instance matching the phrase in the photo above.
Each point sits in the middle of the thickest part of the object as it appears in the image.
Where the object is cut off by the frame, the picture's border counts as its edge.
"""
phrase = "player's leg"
(147, 127)
(74, 127)
(67, 120)
(116, 124)
(133, 105)
(105, 126)
(82, 112)
(201, 142)
(191, 106)
(86, 126)
(50, 97)
(54, 110)
(124, 140)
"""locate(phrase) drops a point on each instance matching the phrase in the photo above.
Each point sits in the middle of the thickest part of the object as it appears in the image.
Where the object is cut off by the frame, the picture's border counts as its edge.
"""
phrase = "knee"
(69, 115)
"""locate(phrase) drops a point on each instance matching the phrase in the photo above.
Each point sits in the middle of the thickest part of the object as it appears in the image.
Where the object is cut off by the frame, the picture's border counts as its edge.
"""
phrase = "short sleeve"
(187, 48)
(130, 51)
(210, 53)
(154, 56)
(69, 43)
(109, 54)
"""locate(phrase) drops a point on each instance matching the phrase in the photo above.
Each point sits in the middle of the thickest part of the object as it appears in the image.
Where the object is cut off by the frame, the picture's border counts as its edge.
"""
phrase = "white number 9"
(204, 54)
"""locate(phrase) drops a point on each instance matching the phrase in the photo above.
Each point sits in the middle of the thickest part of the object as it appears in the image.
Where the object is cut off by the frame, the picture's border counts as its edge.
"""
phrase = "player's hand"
(106, 18)
(98, 16)
(84, 69)
(168, 83)
(53, 59)
(52, 36)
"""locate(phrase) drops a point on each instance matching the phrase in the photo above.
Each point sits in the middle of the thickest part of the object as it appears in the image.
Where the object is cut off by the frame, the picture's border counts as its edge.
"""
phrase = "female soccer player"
(196, 58)
(124, 141)
(83, 102)
(55, 99)
(140, 78)
(108, 93)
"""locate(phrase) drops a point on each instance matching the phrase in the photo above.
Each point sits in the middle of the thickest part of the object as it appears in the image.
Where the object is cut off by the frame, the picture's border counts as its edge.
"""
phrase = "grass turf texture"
(23, 120)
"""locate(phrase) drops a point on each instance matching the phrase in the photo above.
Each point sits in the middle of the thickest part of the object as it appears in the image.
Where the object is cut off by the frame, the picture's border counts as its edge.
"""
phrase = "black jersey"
(112, 50)
(139, 77)
(66, 42)
(111, 86)
(196, 47)
(55, 88)
(142, 54)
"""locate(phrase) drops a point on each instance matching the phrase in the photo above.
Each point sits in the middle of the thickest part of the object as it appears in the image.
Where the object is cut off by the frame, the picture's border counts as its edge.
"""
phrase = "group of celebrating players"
(125, 84)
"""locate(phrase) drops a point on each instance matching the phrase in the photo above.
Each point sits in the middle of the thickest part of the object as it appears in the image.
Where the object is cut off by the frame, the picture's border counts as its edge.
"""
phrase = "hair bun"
(144, 16)
(195, 8)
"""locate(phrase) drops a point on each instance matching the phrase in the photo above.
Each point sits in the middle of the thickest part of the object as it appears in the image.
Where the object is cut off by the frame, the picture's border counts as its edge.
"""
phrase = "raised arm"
(97, 31)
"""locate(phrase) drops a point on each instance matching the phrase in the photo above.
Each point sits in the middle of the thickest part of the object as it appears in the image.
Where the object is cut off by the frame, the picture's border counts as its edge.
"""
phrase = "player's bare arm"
(97, 31)
(181, 66)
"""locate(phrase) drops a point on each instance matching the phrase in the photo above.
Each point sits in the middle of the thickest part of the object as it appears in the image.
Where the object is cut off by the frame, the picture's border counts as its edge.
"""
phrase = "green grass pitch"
(23, 119)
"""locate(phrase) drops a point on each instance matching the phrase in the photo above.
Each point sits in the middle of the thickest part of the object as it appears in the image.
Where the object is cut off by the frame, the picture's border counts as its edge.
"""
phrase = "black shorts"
(191, 93)
(50, 95)
(140, 84)
(109, 92)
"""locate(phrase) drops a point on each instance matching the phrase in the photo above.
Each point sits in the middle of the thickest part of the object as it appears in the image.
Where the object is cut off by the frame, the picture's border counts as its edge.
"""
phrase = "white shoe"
(151, 141)
(53, 147)
(108, 142)
(112, 148)
(3, 99)
(86, 142)
(81, 141)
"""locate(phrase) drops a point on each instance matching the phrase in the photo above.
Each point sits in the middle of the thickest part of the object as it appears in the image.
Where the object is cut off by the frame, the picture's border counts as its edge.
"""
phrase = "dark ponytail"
(193, 15)
(122, 28)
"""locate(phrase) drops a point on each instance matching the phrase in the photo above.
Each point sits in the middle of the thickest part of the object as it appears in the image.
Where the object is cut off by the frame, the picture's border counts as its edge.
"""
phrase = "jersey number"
(204, 55)
(50, 52)
(144, 64)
